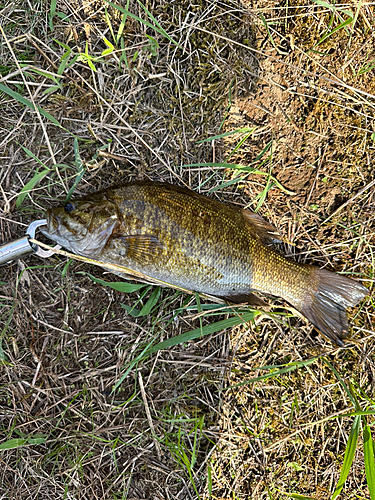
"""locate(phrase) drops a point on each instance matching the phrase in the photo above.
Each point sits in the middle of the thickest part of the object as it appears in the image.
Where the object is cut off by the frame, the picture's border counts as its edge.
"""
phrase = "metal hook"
(31, 232)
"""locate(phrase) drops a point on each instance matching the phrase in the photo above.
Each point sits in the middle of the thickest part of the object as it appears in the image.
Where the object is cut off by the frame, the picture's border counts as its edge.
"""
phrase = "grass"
(122, 390)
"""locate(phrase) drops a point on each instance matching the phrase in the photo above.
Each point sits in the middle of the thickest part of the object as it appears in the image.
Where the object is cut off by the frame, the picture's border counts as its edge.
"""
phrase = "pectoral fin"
(140, 247)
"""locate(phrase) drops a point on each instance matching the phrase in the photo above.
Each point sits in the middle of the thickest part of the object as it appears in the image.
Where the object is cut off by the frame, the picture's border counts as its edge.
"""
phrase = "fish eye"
(68, 207)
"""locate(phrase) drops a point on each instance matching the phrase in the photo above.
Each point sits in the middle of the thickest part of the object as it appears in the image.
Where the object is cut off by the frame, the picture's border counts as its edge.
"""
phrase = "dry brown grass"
(178, 427)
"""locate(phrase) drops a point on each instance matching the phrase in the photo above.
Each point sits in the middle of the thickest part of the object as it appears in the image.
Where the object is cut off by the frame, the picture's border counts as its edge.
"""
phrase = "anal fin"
(249, 298)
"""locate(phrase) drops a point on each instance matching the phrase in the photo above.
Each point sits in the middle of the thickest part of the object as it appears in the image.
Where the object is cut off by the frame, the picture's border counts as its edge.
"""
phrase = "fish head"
(83, 226)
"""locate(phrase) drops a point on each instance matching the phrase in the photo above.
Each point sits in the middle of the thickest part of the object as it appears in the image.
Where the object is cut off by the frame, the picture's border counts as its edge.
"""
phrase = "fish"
(188, 240)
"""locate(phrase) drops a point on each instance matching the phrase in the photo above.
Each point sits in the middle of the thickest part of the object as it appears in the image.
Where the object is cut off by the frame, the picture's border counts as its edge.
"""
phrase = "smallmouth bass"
(187, 240)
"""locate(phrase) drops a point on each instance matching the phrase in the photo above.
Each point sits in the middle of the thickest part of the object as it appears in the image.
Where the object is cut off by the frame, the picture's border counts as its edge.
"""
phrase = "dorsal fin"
(263, 230)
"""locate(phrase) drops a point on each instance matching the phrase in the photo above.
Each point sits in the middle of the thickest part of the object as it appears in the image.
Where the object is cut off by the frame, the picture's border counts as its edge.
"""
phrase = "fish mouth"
(52, 225)
(55, 230)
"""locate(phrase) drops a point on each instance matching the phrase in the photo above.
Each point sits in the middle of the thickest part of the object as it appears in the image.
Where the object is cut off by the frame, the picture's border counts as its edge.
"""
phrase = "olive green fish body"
(187, 240)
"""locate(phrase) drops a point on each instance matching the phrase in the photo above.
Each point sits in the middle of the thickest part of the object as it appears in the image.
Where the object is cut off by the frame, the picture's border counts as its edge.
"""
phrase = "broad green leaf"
(63, 16)
(29, 104)
(12, 443)
(66, 47)
(351, 446)
(91, 65)
(30, 185)
(131, 310)
(368, 448)
(61, 68)
(119, 286)
(52, 89)
(41, 73)
(110, 46)
(206, 330)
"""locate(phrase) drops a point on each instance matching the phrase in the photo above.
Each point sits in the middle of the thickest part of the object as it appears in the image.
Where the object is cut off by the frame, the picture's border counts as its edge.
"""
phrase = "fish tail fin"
(326, 308)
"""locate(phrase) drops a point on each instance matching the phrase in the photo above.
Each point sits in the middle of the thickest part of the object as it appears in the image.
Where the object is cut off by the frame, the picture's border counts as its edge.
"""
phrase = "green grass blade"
(131, 365)
(31, 154)
(267, 29)
(30, 185)
(368, 448)
(209, 479)
(206, 330)
(146, 309)
(158, 29)
(29, 104)
(345, 387)
(226, 184)
(351, 446)
(288, 368)
(354, 413)
(122, 24)
(52, 12)
(296, 496)
(266, 148)
(263, 195)
(237, 147)
(241, 168)
(226, 134)
(327, 35)
(12, 443)
(119, 286)
(332, 7)
(80, 170)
